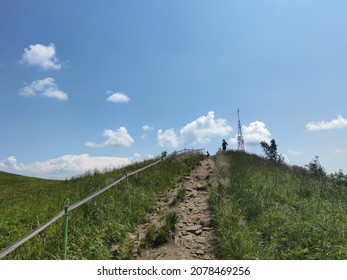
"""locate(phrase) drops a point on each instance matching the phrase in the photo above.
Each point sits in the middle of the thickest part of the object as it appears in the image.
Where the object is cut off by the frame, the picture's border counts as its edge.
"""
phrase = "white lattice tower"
(240, 141)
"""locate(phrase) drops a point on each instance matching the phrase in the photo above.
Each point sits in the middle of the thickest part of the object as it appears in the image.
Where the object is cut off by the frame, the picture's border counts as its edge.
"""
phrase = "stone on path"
(193, 228)
(193, 238)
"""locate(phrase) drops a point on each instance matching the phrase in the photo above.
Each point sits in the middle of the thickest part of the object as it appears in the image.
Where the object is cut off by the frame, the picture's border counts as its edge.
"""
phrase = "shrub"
(315, 168)
(271, 150)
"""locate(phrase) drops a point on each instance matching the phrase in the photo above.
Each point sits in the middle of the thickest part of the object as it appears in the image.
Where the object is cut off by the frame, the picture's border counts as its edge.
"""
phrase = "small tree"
(271, 150)
(339, 178)
(315, 168)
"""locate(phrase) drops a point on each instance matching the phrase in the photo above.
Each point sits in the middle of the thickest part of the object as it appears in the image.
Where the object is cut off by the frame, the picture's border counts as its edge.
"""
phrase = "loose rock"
(199, 252)
(193, 238)
(193, 228)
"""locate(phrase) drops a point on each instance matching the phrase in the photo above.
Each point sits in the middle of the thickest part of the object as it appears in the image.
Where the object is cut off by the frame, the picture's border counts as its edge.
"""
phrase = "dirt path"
(193, 234)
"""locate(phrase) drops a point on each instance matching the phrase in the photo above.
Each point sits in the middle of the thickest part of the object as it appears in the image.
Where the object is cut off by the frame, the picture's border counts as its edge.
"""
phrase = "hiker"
(207, 154)
(224, 145)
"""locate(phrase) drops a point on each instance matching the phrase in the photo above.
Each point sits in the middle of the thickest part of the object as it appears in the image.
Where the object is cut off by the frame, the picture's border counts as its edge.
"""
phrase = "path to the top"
(193, 236)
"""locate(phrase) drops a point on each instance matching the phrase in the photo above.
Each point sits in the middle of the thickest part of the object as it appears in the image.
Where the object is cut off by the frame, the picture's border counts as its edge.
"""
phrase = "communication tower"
(240, 141)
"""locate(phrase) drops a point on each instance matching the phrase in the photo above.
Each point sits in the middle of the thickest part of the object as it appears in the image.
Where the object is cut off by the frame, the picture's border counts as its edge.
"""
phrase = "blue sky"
(95, 84)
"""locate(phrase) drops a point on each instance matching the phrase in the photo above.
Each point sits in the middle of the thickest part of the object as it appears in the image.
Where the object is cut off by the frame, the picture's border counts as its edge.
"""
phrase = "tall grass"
(268, 210)
(97, 225)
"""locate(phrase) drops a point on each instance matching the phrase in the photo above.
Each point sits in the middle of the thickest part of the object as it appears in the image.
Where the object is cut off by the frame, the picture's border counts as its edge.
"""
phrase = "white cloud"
(45, 87)
(254, 133)
(201, 130)
(41, 55)
(136, 157)
(339, 122)
(118, 138)
(295, 153)
(118, 97)
(10, 163)
(62, 167)
(168, 138)
(147, 128)
(340, 151)
(150, 156)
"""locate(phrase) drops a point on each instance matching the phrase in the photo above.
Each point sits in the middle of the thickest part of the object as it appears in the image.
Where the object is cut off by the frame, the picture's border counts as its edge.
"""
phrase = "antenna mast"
(240, 141)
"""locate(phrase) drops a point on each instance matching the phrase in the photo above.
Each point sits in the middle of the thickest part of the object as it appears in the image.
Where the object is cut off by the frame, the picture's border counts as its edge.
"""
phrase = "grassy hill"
(13, 185)
(261, 210)
(94, 227)
(267, 210)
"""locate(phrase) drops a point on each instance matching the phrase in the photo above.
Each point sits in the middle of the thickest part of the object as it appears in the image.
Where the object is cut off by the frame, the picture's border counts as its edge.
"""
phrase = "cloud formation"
(63, 167)
(45, 87)
(42, 56)
(118, 97)
(339, 122)
(168, 138)
(147, 128)
(117, 138)
(254, 133)
(199, 131)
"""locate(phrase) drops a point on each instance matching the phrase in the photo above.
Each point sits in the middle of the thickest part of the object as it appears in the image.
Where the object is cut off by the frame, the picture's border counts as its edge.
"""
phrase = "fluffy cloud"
(168, 138)
(45, 87)
(201, 130)
(339, 122)
(62, 167)
(118, 98)
(41, 55)
(147, 128)
(118, 138)
(9, 164)
(254, 133)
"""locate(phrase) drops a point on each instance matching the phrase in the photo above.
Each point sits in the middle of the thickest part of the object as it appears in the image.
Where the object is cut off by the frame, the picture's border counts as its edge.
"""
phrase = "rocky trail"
(192, 236)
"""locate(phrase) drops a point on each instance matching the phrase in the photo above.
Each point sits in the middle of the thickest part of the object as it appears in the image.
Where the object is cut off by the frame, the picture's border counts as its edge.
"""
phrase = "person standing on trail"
(224, 145)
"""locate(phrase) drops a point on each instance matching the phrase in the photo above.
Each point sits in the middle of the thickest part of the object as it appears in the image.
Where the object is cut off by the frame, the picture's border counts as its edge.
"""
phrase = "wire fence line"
(75, 205)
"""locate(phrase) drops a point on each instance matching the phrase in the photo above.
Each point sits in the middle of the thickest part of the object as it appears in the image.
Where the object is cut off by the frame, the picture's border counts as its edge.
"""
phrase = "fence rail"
(73, 206)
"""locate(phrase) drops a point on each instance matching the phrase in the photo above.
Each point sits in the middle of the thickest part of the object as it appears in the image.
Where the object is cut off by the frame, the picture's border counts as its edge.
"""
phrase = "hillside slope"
(267, 210)
(13, 185)
(94, 226)
(260, 210)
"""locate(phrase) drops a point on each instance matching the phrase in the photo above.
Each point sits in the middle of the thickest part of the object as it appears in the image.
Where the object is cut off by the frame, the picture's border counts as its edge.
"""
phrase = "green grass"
(15, 186)
(261, 210)
(94, 227)
(158, 236)
(268, 210)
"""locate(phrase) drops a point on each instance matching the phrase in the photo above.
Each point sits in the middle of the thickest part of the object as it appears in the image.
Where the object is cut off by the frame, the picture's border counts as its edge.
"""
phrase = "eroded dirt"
(193, 234)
